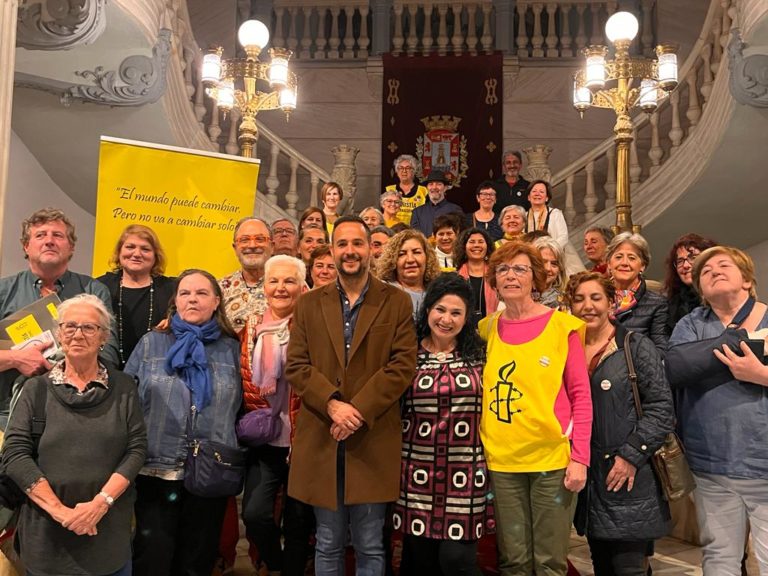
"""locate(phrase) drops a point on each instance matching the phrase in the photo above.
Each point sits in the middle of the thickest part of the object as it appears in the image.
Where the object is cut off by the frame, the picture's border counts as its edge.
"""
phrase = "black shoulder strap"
(39, 415)
(632, 374)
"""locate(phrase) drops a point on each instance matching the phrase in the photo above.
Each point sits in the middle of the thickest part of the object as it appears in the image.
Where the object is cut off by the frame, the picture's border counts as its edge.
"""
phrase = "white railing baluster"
(349, 37)
(565, 31)
(199, 106)
(693, 113)
(413, 40)
(334, 41)
(293, 42)
(214, 130)
(472, 37)
(306, 38)
(363, 41)
(272, 181)
(570, 210)
(487, 39)
(442, 38)
(522, 35)
(656, 152)
(581, 38)
(314, 197)
(676, 131)
(590, 197)
(457, 40)
(551, 39)
(709, 77)
(725, 29)
(321, 53)
(292, 196)
(596, 34)
(397, 37)
(537, 39)
(278, 40)
(717, 50)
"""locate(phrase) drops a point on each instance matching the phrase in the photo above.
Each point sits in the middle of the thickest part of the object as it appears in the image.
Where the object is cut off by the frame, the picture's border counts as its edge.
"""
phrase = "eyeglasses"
(518, 269)
(487, 195)
(70, 328)
(395, 202)
(691, 258)
(245, 240)
(405, 168)
(284, 231)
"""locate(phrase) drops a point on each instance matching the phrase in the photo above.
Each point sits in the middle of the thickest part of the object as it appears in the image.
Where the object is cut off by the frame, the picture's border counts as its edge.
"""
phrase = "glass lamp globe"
(253, 33)
(621, 26)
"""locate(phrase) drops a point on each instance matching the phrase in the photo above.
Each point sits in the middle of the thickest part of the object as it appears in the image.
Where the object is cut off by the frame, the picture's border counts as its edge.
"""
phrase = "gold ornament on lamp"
(634, 81)
(250, 84)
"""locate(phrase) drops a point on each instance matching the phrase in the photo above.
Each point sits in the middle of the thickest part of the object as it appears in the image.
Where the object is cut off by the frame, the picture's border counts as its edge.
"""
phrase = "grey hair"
(604, 231)
(515, 153)
(516, 207)
(408, 158)
(373, 209)
(301, 268)
(386, 194)
(637, 242)
(551, 244)
(105, 316)
(248, 219)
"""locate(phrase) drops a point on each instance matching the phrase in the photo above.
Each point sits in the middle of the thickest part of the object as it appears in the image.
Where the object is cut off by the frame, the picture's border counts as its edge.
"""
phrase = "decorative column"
(345, 173)
(8, 14)
(537, 162)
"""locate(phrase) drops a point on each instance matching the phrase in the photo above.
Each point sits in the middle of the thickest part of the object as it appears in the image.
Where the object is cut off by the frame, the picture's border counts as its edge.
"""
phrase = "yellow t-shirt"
(410, 203)
(519, 428)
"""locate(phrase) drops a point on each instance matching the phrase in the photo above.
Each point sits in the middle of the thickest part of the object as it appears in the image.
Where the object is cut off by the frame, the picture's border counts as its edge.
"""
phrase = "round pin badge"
(605, 384)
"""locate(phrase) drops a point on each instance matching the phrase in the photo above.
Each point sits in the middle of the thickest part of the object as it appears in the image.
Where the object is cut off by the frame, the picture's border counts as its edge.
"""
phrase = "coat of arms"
(442, 147)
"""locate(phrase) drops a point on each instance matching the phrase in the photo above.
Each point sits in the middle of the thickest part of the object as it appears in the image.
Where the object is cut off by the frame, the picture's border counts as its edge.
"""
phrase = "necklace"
(440, 355)
(120, 338)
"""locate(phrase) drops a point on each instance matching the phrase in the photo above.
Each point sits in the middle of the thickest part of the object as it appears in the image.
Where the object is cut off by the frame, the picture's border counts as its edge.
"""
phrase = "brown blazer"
(382, 361)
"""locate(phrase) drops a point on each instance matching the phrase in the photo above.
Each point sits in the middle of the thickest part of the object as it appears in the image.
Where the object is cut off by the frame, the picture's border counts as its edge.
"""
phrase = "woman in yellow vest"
(537, 415)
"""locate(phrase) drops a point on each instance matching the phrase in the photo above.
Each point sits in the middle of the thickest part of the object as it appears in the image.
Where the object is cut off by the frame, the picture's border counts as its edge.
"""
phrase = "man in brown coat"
(351, 355)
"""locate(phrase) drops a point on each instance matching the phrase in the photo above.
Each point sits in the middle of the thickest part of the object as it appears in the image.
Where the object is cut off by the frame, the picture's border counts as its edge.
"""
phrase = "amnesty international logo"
(505, 394)
(442, 147)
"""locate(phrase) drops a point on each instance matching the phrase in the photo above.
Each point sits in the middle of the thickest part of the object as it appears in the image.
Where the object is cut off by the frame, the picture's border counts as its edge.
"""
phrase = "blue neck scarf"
(187, 357)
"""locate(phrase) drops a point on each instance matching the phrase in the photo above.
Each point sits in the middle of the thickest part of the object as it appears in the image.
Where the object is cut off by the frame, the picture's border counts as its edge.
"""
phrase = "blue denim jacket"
(166, 400)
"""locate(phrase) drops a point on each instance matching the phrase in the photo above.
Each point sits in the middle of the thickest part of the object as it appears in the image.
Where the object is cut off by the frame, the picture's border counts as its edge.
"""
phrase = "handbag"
(11, 496)
(669, 461)
(259, 427)
(214, 470)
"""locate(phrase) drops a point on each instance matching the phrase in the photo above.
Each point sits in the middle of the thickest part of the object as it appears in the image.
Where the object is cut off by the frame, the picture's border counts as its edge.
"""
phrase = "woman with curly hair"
(441, 510)
(678, 284)
(410, 263)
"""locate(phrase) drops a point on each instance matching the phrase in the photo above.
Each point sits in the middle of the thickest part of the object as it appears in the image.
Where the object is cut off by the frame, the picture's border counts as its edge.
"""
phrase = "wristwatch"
(108, 498)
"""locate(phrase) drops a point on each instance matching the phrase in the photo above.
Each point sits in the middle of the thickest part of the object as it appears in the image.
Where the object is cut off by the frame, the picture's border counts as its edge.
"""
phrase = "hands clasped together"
(346, 419)
(84, 517)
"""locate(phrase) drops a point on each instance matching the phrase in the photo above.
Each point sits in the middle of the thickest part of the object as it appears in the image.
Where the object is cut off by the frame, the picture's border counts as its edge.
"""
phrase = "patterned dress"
(444, 479)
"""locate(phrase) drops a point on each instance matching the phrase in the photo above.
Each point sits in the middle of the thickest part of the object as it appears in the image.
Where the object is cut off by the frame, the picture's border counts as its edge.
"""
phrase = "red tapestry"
(446, 111)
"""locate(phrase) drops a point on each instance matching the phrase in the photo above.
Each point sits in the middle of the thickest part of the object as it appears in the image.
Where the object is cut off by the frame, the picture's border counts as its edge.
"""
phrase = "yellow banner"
(191, 199)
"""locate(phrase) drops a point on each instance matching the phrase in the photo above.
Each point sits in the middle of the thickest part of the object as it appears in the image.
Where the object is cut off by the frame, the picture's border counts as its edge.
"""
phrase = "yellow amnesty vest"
(519, 428)
(409, 204)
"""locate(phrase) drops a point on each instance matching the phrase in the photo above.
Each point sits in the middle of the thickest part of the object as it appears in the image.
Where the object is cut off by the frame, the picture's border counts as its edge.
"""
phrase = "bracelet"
(109, 500)
(32, 486)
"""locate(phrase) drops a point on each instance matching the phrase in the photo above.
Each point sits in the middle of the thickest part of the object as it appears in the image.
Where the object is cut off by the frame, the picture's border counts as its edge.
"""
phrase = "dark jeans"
(267, 472)
(439, 557)
(177, 533)
(618, 557)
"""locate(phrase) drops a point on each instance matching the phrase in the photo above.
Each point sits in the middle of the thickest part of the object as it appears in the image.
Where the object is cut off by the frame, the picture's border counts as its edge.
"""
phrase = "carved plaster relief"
(749, 74)
(59, 24)
(139, 79)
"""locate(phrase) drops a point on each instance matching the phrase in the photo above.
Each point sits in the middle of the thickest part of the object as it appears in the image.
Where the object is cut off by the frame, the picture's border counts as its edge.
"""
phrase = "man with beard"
(511, 188)
(424, 216)
(243, 290)
(351, 355)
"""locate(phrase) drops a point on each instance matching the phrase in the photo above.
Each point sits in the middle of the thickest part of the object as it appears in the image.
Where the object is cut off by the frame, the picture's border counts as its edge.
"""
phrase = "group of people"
(444, 378)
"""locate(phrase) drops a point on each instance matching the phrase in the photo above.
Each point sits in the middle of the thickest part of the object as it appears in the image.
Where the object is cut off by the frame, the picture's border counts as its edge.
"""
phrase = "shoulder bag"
(669, 461)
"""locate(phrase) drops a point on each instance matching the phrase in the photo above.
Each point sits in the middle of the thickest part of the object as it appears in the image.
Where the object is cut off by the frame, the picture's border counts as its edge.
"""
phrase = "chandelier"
(249, 84)
(620, 85)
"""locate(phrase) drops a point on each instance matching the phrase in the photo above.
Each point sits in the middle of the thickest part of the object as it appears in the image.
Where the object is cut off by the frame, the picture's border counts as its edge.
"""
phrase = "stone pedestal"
(537, 163)
(345, 173)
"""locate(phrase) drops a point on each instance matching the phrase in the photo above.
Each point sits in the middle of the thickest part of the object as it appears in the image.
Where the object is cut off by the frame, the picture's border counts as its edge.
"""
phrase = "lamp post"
(250, 84)
(635, 81)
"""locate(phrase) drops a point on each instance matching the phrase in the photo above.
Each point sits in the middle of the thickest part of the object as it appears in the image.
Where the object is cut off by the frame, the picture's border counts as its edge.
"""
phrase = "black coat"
(641, 514)
(648, 317)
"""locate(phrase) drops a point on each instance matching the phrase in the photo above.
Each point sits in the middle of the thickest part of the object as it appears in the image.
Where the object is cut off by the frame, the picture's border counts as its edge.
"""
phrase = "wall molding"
(60, 24)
